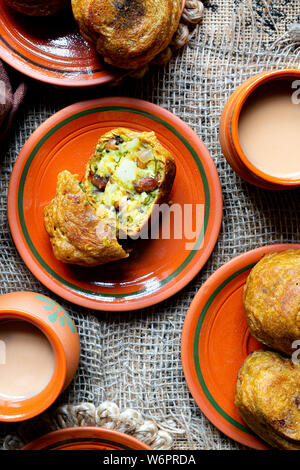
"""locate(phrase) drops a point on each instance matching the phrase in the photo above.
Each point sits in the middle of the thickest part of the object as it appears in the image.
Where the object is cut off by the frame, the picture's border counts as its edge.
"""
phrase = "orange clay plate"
(86, 438)
(215, 341)
(52, 50)
(157, 268)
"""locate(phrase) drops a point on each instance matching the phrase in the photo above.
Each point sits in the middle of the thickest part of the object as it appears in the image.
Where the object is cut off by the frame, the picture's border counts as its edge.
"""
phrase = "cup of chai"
(39, 354)
(259, 129)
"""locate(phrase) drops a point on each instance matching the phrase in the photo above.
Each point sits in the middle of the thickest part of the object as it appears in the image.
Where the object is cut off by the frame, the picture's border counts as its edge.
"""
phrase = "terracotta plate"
(157, 268)
(86, 438)
(52, 50)
(215, 342)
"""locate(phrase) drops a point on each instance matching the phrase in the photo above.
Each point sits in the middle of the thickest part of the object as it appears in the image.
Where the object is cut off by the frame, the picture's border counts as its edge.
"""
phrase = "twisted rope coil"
(192, 14)
(107, 415)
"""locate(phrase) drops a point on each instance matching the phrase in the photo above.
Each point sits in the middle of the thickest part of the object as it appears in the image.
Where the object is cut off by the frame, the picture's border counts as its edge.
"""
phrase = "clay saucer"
(52, 50)
(215, 341)
(156, 268)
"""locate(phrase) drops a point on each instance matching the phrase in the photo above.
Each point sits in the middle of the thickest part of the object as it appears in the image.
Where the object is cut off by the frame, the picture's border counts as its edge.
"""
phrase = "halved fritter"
(268, 398)
(128, 174)
(272, 300)
(77, 234)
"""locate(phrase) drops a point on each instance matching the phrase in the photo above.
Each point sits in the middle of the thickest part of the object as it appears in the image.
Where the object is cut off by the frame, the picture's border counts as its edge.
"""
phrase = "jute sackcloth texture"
(133, 359)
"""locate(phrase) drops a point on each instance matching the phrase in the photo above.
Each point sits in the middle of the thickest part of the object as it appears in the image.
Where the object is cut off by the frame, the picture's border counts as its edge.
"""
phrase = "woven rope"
(133, 358)
(192, 14)
(107, 415)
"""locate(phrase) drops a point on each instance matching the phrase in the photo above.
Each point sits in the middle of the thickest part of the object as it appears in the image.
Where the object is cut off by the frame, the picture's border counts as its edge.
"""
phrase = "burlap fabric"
(133, 358)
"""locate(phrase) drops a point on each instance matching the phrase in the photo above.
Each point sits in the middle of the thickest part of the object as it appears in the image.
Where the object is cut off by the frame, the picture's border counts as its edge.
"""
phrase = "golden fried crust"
(268, 398)
(76, 234)
(37, 7)
(167, 177)
(272, 300)
(128, 33)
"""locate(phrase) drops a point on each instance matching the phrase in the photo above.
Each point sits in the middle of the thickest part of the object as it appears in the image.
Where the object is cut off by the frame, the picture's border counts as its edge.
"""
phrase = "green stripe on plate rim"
(86, 440)
(59, 126)
(203, 385)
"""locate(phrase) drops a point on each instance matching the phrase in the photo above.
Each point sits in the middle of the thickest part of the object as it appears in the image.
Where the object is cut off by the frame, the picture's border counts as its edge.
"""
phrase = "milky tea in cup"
(26, 360)
(269, 128)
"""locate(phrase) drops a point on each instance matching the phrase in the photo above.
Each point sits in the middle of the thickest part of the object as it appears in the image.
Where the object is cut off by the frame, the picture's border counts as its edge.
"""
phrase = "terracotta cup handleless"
(229, 136)
(52, 320)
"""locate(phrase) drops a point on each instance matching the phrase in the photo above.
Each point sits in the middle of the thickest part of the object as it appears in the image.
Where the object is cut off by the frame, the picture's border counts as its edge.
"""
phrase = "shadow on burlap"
(133, 358)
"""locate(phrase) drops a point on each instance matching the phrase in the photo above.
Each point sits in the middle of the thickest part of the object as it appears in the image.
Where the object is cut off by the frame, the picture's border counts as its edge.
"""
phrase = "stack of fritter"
(268, 386)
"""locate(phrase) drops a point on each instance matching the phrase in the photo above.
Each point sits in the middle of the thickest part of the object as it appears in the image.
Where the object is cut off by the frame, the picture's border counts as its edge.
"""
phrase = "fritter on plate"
(128, 33)
(77, 234)
(272, 300)
(129, 173)
(268, 398)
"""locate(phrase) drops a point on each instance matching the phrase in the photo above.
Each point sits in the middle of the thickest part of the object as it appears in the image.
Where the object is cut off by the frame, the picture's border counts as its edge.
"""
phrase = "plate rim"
(15, 60)
(37, 72)
(14, 221)
(108, 434)
(205, 292)
(16, 63)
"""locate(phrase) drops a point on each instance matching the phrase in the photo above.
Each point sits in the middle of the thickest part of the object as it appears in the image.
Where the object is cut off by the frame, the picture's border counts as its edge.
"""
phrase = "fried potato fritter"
(128, 33)
(272, 300)
(268, 398)
(77, 234)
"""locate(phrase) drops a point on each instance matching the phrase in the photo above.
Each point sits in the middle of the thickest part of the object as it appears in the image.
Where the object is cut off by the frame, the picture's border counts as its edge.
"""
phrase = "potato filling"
(125, 179)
